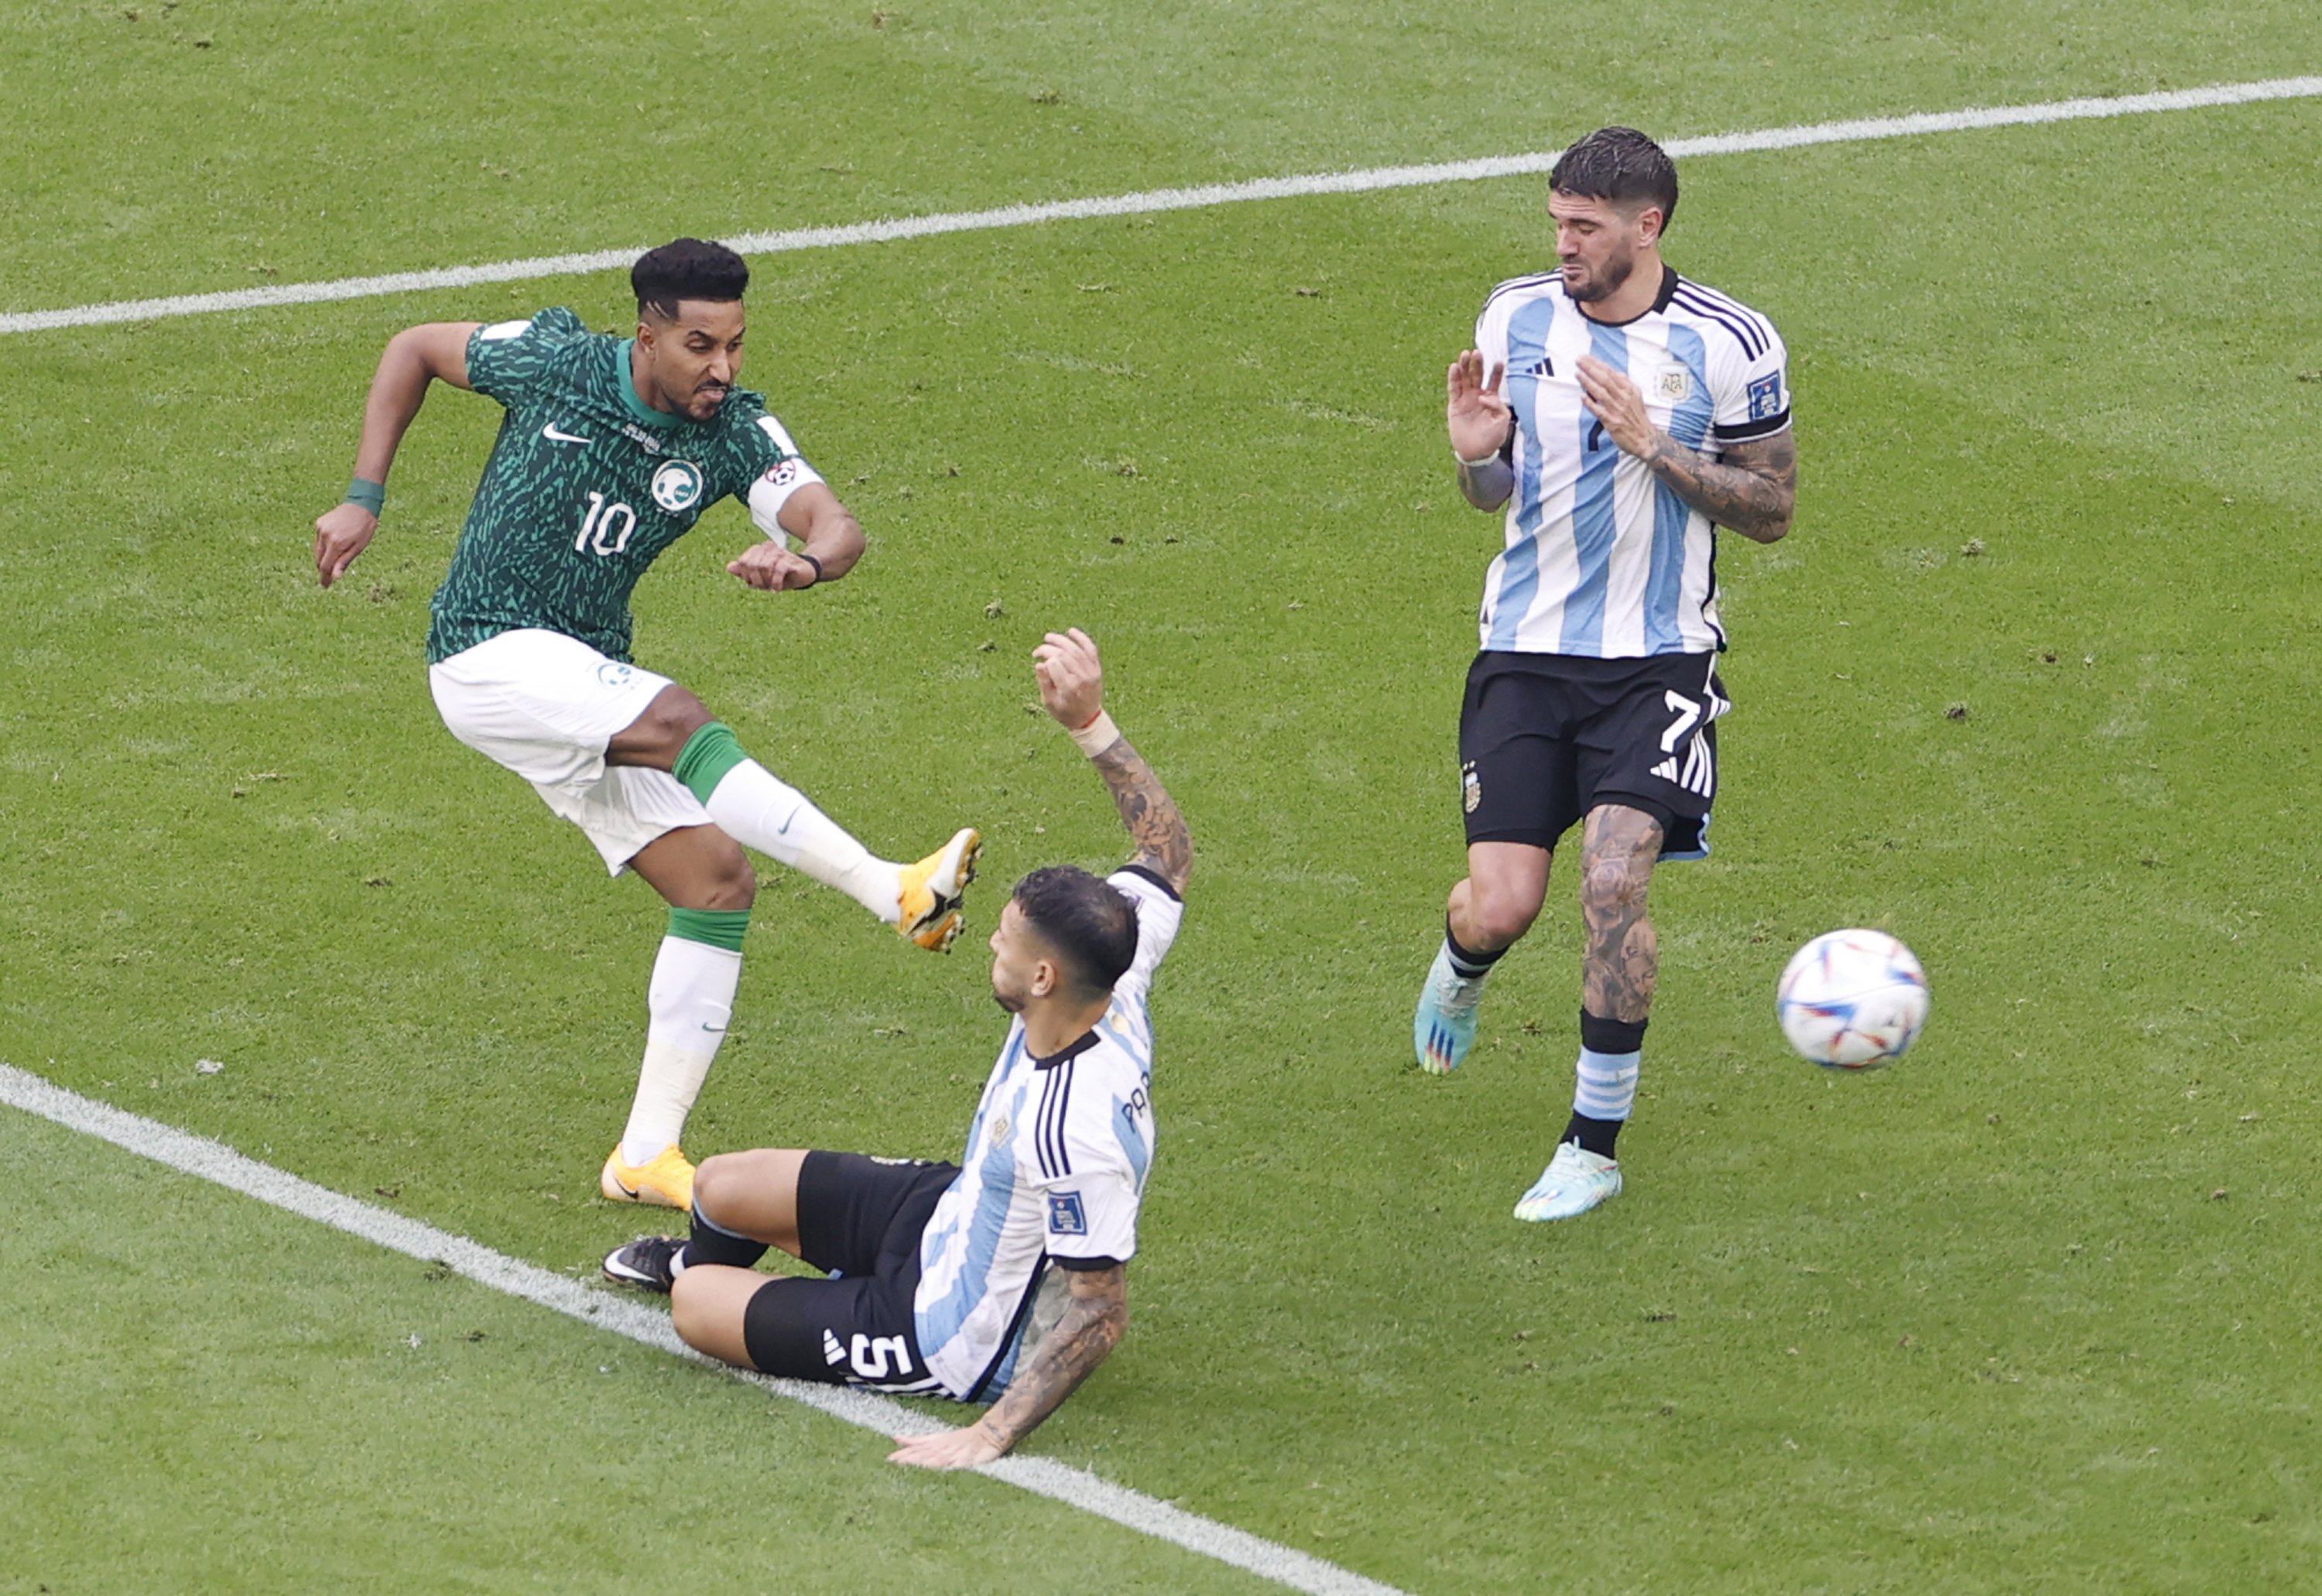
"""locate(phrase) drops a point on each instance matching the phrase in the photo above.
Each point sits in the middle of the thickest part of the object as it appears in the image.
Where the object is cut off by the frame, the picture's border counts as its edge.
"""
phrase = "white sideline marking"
(1160, 199)
(212, 1161)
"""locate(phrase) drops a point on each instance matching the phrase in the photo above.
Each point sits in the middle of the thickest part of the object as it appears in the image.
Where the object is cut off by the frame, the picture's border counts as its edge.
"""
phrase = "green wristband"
(372, 495)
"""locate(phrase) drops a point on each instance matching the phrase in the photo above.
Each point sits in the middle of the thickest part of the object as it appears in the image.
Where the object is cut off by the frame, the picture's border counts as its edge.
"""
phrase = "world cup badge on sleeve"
(1064, 1214)
(1471, 787)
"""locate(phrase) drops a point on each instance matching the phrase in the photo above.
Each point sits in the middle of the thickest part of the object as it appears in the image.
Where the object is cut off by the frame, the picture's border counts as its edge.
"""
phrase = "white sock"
(759, 809)
(691, 998)
(1605, 1084)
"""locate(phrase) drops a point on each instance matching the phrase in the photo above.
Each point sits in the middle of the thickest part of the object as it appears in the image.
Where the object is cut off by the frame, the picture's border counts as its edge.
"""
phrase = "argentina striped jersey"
(1601, 560)
(1054, 1171)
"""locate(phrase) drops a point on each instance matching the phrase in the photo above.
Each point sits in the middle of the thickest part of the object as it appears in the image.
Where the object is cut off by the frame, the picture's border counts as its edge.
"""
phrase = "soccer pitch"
(2024, 686)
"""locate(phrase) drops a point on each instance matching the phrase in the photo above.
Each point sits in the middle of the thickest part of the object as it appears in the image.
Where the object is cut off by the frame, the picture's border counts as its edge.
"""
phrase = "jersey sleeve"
(1753, 390)
(1159, 911)
(769, 463)
(509, 360)
(1094, 1152)
(1492, 332)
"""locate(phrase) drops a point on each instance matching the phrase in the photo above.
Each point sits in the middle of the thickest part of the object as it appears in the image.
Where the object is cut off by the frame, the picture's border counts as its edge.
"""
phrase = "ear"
(1047, 977)
(1649, 222)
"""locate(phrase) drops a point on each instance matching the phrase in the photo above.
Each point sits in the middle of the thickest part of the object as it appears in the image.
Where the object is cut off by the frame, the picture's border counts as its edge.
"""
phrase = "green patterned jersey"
(586, 486)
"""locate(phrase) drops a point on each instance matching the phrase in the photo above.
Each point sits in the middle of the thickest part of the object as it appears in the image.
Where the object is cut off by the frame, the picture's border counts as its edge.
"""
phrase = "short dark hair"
(1089, 921)
(1618, 164)
(687, 269)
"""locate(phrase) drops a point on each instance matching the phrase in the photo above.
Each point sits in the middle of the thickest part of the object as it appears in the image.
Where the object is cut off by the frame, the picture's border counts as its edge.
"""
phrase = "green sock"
(711, 752)
(715, 927)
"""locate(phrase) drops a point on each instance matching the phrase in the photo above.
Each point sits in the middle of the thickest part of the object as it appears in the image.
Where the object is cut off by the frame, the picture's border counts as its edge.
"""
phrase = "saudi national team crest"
(676, 486)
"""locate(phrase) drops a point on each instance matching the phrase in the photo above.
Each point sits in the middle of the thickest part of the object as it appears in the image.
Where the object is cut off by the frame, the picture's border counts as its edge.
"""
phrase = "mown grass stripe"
(1149, 201)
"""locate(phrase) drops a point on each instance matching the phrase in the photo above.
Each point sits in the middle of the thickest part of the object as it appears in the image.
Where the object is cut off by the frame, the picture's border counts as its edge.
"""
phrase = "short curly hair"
(1618, 164)
(687, 269)
(1088, 920)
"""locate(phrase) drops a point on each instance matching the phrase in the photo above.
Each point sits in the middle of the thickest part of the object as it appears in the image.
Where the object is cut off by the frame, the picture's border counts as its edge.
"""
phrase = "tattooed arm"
(1071, 686)
(1164, 845)
(1752, 487)
(1095, 1318)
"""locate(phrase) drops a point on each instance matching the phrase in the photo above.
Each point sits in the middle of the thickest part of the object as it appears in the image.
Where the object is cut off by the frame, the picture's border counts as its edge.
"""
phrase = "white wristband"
(1098, 735)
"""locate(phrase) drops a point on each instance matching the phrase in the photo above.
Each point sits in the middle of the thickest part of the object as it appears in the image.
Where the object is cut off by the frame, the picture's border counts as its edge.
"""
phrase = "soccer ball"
(1853, 1000)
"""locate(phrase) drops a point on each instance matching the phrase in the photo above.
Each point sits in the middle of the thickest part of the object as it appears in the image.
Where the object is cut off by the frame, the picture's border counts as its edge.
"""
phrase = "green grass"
(1979, 1324)
(270, 1406)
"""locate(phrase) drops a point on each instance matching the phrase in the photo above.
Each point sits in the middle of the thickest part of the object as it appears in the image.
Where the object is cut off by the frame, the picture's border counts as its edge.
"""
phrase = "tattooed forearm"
(1618, 848)
(1487, 486)
(1754, 489)
(1092, 1325)
(1164, 845)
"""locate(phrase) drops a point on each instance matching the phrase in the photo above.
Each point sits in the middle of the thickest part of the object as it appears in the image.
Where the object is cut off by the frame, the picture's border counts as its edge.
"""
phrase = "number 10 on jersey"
(607, 528)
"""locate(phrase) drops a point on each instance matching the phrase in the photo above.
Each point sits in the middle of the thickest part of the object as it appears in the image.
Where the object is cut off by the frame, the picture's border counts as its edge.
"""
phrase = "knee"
(1500, 913)
(1615, 884)
(716, 1182)
(673, 716)
(688, 1305)
(732, 883)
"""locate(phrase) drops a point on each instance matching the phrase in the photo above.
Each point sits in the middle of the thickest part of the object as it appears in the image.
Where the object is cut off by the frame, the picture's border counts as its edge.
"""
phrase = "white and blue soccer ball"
(1853, 1000)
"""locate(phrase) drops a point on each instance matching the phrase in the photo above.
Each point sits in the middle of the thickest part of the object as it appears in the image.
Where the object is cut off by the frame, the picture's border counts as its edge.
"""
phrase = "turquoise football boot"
(1444, 1027)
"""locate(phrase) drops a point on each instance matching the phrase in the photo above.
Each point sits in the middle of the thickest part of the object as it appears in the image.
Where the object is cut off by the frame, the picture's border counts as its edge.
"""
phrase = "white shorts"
(545, 706)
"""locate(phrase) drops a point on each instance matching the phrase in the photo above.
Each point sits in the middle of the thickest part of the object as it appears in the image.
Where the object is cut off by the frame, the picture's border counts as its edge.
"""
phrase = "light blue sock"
(1606, 1087)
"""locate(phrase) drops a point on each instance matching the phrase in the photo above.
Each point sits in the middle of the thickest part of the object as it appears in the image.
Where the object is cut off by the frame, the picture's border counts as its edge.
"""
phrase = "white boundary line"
(212, 1161)
(1160, 199)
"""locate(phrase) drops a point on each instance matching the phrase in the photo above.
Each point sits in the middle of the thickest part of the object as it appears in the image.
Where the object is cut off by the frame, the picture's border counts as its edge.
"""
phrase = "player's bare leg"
(678, 734)
(1618, 848)
(709, 884)
(1494, 907)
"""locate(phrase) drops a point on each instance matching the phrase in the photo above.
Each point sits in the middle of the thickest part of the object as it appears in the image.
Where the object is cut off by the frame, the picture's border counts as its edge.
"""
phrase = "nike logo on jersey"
(553, 436)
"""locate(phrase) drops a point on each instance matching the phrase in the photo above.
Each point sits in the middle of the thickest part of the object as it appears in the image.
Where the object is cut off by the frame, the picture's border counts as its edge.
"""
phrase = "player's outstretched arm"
(415, 357)
(1095, 1318)
(1751, 487)
(1072, 687)
(1480, 423)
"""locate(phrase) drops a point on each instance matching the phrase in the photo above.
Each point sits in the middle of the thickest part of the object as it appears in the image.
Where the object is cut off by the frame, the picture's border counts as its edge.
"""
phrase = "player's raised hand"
(1071, 678)
(1478, 416)
(770, 568)
(340, 536)
(1614, 401)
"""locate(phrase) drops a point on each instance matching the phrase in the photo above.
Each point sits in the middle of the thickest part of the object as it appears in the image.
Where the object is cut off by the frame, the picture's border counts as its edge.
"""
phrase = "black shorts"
(859, 1220)
(1545, 738)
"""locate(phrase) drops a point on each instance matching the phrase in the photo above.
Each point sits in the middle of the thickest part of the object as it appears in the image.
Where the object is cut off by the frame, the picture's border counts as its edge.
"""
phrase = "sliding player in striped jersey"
(610, 451)
(1000, 1280)
(1621, 414)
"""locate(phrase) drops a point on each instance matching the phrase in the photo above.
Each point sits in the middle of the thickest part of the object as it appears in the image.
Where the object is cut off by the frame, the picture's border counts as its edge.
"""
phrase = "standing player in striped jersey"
(1000, 1280)
(1621, 414)
(610, 451)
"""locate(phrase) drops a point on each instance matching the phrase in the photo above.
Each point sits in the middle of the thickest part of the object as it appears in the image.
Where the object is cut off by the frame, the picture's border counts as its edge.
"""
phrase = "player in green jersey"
(611, 449)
